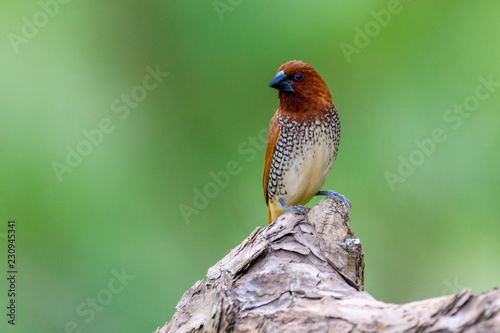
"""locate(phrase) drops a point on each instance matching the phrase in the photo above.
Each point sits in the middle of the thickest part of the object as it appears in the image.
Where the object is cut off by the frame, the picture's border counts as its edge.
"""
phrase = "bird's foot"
(300, 208)
(337, 197)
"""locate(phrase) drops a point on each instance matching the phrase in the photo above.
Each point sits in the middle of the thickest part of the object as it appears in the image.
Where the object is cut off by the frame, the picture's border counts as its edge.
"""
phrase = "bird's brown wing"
(272, 138)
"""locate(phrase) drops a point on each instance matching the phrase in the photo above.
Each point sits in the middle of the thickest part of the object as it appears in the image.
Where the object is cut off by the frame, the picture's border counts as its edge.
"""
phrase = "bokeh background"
(118, 211)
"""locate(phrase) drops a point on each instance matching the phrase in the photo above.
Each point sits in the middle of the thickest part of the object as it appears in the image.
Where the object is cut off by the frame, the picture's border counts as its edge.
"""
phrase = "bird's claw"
(300, 208)
(337, 197)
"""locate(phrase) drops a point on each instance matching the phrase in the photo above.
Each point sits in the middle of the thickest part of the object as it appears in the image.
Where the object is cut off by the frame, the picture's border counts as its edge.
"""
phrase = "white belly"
(308, 171)
(303, 158)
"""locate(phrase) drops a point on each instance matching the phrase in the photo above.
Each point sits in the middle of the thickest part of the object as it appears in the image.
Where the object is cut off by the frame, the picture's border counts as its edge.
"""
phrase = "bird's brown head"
(301, 88)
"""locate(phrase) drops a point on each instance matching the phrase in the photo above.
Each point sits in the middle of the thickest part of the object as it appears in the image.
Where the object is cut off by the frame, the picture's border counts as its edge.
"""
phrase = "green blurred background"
(119, 208)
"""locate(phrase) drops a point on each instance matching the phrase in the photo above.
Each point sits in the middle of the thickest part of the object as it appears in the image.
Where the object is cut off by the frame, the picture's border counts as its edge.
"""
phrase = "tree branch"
(305, 273)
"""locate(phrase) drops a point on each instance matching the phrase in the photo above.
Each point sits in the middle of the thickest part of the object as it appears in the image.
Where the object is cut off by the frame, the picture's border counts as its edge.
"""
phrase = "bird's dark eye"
(298, 76)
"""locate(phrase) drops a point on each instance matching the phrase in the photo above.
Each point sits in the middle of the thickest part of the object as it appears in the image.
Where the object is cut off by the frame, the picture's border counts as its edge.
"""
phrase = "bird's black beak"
(281, 82)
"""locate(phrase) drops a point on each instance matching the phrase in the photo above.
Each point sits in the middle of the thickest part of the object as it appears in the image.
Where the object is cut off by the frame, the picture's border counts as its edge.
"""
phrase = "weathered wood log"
(304, 273)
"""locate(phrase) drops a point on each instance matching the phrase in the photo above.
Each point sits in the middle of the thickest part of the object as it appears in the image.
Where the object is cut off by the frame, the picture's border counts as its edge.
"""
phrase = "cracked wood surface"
(304, 273)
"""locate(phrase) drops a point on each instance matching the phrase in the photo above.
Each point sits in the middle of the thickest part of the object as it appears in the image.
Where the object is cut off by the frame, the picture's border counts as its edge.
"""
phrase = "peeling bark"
(305, 273)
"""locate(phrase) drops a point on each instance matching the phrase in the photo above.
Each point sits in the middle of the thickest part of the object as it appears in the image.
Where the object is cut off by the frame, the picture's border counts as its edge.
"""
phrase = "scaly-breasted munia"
(303, 139)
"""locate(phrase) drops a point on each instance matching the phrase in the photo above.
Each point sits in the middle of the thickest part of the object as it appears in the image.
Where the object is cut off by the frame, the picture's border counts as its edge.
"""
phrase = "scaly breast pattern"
(304, 155)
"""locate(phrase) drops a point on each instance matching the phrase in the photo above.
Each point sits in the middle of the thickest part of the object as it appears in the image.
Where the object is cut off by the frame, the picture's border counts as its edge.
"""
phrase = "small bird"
(302, 141)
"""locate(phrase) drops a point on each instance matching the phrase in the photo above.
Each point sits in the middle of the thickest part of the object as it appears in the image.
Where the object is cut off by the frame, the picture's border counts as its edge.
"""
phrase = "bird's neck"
(303, 109)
